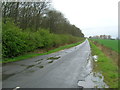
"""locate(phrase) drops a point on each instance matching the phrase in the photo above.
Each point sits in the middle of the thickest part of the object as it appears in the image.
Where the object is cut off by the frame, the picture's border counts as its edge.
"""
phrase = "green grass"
(31, 55)
(113, 44)
(106, 66)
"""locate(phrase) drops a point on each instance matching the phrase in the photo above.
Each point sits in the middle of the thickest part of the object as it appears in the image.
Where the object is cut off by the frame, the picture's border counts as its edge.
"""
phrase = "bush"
(45, 38)
(12, 41)
(17, 42)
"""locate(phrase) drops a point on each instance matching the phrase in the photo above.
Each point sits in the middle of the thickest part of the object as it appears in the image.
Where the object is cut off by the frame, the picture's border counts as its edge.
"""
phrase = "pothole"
(39, 60)
(30, 66)
(50, 61)
(53, 58)
(40, 66)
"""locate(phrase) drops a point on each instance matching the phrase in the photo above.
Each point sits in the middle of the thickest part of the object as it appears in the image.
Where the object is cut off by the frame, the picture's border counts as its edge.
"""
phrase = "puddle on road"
(53, 58)
(41, 66)
(39, 60)
(50, 61)
(30, 66)
(91, 79)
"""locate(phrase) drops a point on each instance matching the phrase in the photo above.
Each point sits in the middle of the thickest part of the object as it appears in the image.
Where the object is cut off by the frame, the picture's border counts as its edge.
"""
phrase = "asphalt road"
(62, 69)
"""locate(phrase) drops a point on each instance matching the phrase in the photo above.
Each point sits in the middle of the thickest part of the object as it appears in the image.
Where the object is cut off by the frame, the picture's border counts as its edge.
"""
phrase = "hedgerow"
(15, 41)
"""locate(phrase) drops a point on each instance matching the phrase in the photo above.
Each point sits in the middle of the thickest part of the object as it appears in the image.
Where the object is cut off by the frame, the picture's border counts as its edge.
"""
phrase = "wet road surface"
(62, 69)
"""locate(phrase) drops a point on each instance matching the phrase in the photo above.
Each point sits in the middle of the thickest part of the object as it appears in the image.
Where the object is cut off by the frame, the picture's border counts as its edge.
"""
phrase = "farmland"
(113, 44)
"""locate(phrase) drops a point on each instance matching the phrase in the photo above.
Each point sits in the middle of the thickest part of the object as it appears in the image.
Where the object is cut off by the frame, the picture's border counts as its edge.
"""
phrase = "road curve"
(62, 73)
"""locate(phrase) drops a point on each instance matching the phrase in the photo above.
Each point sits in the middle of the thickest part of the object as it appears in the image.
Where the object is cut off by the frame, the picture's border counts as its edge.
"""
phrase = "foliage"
(30, 16)
(17, 42)
(30, 55)
(12, 40)
(28, 26)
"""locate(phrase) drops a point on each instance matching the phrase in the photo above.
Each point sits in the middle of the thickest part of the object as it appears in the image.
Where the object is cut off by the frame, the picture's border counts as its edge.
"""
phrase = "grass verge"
(31, 55)
(106, 66)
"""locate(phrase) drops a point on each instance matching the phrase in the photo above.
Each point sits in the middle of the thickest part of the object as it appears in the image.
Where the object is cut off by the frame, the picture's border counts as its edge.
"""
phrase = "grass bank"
(106, 66)
(31, 55)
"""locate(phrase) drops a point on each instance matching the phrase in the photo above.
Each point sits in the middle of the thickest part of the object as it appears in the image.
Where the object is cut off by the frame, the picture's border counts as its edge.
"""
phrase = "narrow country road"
(62, 69)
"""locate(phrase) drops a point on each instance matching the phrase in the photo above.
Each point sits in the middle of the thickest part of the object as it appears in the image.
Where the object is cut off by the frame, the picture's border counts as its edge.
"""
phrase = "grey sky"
(93, 17)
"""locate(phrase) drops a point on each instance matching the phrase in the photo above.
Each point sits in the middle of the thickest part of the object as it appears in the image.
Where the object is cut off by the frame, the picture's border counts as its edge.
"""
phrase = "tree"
(109, 37)
(90, 36)
(27, 14)
(35, 15)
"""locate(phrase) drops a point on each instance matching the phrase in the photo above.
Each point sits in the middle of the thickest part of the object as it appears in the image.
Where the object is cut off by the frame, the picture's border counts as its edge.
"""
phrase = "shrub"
(16, 41)
(12, 41)
(45, 38)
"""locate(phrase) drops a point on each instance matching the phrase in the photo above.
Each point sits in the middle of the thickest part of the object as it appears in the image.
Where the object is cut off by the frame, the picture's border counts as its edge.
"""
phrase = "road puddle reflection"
(91, 79)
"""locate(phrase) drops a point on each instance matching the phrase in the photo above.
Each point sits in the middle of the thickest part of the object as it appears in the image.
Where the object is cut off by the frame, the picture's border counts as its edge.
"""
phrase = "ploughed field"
(113, 44)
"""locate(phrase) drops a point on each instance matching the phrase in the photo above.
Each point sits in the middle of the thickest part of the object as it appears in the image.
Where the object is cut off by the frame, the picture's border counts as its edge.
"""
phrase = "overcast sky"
(93, 17)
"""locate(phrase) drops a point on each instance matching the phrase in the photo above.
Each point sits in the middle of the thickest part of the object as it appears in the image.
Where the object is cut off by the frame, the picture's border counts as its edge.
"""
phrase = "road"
(62, 69)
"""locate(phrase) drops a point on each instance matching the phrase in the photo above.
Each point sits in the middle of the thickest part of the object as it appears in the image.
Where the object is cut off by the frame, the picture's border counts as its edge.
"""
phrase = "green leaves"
(17, 42)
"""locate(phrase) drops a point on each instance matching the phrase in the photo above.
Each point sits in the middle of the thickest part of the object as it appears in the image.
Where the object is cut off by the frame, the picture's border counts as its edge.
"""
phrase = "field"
(113, 44)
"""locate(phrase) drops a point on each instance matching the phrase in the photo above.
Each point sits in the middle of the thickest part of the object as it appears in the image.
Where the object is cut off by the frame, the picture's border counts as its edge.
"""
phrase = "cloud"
(90, 14)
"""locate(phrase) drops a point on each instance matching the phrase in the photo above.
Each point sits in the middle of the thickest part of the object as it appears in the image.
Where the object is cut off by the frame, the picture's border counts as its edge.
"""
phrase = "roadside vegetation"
(17, 42)
(106, 66)
(113, 44)
(35, 26)
(34, 54)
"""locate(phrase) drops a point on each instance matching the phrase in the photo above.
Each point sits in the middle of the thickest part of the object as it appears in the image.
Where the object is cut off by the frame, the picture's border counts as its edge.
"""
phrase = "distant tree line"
(32, 16)
(101, 37)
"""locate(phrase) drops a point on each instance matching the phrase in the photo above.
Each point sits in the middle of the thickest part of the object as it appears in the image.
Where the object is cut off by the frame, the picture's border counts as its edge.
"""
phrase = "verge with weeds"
(31, 55)
(106, 66)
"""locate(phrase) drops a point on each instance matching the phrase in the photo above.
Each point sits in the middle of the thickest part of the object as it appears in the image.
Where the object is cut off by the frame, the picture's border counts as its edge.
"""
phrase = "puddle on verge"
(91, 79)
